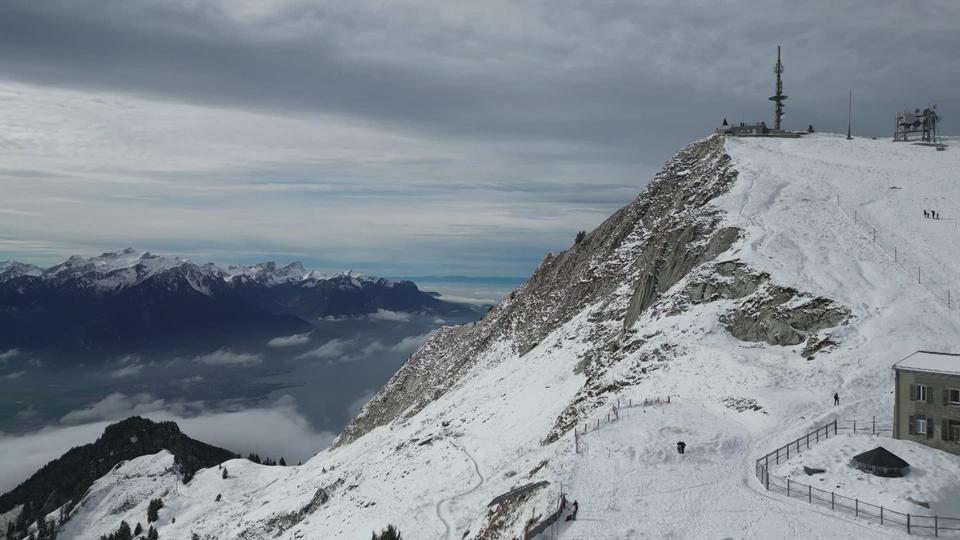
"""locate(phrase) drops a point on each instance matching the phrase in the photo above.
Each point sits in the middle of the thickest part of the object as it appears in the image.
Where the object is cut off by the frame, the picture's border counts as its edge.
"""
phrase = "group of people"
(931, 214)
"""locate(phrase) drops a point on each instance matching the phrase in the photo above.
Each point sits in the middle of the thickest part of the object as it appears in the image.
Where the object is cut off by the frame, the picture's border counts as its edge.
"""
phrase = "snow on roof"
(939, 362)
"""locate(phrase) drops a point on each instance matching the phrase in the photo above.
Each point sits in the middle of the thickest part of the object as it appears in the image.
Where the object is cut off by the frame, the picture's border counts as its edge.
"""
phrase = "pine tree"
(123, 532)
(153, 510)
(225, 473)
(138, 530)
(283, 462)
(152, 534)
(390, 533)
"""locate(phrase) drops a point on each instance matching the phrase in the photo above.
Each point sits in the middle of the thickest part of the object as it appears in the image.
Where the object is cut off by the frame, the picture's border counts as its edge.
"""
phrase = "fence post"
(895, 258)
(881, 515)
(788, 487)
(788, 452)
(832, 500)
(874, 425)
(809, 495)
(766, 473)
(808, 441)
(854, 426)
(856, 507)
(834, 427)
(936, 526)
(908, 523)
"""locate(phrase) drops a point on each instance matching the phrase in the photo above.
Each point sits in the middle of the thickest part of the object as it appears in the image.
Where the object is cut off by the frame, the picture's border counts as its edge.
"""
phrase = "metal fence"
(920, 265)
(616, 409)
(919, 524)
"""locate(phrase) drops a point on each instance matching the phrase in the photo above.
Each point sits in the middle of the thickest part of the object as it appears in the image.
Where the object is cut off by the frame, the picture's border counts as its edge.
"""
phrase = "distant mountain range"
(135, 301)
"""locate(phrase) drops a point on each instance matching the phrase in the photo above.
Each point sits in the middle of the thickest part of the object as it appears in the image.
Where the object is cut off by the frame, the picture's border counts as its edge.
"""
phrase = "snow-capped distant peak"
(116, 271)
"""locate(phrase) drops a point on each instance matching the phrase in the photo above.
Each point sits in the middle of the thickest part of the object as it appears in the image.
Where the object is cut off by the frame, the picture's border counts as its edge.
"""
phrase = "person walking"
(926, 214)
(681, 446)
(836, 399)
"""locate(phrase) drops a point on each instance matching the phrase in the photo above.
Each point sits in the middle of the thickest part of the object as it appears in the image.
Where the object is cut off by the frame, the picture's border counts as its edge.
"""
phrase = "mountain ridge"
(130, 301)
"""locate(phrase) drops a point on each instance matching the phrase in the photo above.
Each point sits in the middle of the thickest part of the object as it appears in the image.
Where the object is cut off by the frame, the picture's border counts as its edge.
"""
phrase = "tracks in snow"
(447, 529)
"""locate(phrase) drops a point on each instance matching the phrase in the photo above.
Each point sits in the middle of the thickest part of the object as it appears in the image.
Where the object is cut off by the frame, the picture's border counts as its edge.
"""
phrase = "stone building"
(927, 400)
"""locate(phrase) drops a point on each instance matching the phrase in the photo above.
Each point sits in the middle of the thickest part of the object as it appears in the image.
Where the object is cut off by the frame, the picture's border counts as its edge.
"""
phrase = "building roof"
(935, 362)
(881, 457)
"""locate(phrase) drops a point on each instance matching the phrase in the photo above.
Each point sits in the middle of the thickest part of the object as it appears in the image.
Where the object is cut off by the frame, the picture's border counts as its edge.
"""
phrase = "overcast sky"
(415, 136)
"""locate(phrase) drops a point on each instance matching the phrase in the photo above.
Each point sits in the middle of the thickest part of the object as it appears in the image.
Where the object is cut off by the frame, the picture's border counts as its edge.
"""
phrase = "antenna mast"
(779, 98)
(849, 115)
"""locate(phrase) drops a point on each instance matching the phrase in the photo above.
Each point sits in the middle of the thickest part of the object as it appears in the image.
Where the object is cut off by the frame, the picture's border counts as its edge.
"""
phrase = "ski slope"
(433, 473)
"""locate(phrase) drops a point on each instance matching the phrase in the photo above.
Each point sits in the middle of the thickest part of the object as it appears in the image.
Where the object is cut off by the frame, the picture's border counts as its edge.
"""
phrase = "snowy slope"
(683, 293)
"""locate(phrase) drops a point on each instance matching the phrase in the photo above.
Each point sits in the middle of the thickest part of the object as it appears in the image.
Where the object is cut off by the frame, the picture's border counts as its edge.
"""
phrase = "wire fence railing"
(616, 409)
(917, 524)
(916, 263)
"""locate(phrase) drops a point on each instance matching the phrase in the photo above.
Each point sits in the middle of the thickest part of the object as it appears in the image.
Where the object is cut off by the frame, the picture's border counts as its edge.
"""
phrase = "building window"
(921, 426)
(955, 431)
(921, 392)
(953, 397)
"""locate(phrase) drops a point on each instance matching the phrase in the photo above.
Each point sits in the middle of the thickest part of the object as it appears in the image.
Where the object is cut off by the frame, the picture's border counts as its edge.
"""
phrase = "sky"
(415, 137)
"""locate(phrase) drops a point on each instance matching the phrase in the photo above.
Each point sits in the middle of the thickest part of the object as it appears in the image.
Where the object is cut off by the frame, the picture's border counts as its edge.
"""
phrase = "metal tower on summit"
(779, 98)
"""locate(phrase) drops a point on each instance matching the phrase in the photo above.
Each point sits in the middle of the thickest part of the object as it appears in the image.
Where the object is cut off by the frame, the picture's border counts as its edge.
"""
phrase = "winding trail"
(447, 529)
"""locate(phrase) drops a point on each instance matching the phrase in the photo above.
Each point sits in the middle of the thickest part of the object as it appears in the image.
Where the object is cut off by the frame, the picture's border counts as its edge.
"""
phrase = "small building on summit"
(927, 400)
(760, 129)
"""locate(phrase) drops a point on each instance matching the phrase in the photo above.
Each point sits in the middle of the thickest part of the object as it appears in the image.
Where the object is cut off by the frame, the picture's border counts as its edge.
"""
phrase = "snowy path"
(447, 528)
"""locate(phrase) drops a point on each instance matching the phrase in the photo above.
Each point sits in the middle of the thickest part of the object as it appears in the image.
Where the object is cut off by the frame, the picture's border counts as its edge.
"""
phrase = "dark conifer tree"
(390, 533)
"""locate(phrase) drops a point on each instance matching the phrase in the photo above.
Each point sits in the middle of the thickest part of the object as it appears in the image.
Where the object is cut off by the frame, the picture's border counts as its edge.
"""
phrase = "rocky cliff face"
(618, 272)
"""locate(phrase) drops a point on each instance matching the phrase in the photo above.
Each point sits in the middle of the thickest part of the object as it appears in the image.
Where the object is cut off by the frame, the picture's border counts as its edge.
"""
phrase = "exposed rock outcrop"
(623, 266)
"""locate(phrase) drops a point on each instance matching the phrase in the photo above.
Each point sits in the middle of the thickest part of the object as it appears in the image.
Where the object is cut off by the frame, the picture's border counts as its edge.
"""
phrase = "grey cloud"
(387, 315)
(226, 357)
(113, 407)
(289, 341)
